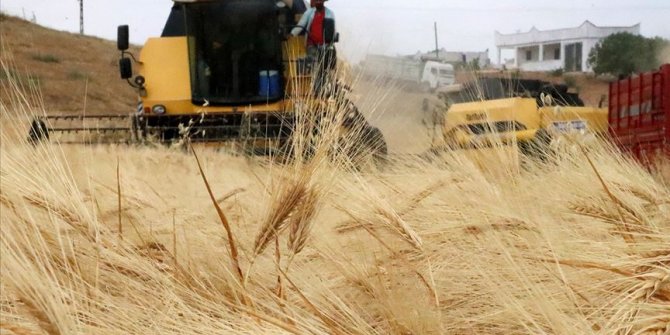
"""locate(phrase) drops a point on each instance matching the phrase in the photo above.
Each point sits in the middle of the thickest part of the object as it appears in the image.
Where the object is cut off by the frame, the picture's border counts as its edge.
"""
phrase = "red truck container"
(639, 114)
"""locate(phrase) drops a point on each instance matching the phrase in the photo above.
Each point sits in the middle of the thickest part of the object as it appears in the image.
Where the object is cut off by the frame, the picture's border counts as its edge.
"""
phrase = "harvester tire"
(38, 131)
(376, 145)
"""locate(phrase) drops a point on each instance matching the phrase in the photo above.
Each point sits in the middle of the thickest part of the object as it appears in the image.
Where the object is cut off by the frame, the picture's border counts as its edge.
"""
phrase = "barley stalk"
(301, 221)
(224, 221)
(118, 192)
(283, 207)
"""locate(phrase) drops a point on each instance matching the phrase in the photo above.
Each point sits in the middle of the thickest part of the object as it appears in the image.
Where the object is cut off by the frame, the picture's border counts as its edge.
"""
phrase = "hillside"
(74, 73)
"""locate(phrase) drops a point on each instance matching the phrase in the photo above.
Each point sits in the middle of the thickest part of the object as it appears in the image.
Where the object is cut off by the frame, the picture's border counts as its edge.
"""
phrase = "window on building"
(529, 55)
(557, 53)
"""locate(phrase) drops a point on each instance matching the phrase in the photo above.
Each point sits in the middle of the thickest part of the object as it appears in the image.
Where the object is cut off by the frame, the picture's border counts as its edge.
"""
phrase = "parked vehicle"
(528, 113)
(639, 114)
(429, 75)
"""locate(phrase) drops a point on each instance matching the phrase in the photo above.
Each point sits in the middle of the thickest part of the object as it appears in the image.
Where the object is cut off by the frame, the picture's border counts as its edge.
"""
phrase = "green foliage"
(34, 81)
(75, 75)
(8, 73)
(46, 58)
(474, 64)
(625, 54)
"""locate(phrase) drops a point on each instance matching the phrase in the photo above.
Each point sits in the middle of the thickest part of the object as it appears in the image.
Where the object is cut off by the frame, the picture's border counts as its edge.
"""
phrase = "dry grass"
(464, 243)
(76, 74)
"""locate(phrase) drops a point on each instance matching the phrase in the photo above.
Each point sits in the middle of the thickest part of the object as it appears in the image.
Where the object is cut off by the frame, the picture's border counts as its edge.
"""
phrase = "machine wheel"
(375, 146)
(38, 131)
(376, 142)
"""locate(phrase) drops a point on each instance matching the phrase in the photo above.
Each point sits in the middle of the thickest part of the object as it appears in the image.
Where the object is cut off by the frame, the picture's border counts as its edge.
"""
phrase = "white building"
(545, 50)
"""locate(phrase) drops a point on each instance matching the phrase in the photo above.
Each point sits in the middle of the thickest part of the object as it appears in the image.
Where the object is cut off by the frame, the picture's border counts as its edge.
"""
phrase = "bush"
(75, 75)
(474, 64)
(625, 54)
(46, 58)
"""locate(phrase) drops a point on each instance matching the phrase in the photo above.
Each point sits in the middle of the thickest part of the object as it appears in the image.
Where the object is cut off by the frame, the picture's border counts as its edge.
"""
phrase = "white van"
(436, 75)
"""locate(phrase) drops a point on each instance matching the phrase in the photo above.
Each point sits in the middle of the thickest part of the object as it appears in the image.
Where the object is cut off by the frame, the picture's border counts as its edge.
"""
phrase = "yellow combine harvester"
(230, 70)
(529, 113)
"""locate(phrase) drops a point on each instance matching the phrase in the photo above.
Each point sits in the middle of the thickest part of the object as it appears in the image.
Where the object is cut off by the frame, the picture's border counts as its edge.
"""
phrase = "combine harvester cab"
(227, 71)
(215, 73)
(639, 115)
(231, 71)
(529, 113)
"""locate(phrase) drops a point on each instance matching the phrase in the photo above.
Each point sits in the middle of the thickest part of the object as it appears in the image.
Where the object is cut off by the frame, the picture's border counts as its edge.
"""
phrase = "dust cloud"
(664, 56)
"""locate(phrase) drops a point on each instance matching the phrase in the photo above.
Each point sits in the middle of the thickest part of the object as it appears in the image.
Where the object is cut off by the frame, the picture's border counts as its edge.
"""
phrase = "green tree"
(625, 53)
(474, 64)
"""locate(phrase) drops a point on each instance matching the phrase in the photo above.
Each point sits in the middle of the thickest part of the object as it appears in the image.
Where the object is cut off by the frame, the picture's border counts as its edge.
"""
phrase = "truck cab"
(436, 75)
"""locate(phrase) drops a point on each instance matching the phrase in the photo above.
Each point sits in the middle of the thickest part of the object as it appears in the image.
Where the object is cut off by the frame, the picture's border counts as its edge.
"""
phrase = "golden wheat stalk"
(301, 221)
(283, 207)
(224, 221)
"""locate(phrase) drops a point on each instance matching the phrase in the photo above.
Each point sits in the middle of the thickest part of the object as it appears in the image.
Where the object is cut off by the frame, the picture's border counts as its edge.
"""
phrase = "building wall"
(535, 36)
(544, 45)
(550, 51)
(522, 54)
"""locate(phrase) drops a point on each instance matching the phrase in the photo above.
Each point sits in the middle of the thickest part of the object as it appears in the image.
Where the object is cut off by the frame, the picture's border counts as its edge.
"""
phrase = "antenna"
(81, 17)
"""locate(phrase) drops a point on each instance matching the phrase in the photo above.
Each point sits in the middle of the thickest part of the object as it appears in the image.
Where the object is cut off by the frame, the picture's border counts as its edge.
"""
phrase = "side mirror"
(329, 34)
(125, 68)
(122, 38)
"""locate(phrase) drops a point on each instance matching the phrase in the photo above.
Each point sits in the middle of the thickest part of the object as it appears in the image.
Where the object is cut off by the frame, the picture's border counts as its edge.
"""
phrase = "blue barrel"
(269, 84)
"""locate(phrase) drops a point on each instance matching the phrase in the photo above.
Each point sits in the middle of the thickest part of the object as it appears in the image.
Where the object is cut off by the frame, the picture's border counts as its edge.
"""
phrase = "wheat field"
(158, 240)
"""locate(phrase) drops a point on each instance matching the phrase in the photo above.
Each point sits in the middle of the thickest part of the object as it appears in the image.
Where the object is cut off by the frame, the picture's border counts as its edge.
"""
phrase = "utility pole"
(437, 50)
(81, 17)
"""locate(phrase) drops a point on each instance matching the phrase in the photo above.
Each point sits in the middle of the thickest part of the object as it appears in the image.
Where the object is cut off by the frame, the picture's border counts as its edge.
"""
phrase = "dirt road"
(398, 113)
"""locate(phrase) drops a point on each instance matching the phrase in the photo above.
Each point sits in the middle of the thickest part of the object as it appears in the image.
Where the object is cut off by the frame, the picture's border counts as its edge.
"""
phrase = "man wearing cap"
(312, 24)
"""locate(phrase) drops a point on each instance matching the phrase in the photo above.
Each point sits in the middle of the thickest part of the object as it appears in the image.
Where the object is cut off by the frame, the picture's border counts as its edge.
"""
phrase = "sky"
(389, 27)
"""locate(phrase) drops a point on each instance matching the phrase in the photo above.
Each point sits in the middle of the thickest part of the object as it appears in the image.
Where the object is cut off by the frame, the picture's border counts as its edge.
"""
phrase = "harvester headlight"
(139, 80)
(159, 109)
